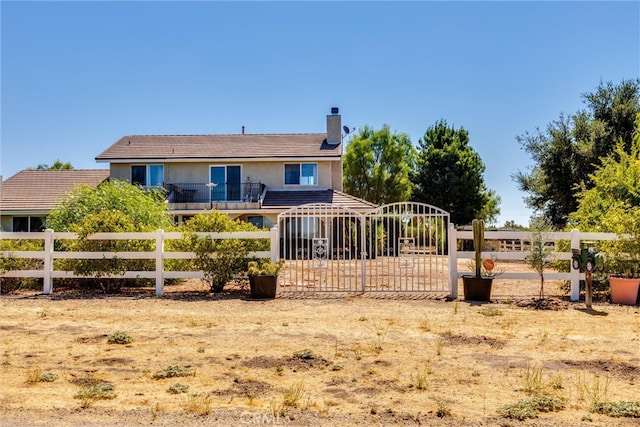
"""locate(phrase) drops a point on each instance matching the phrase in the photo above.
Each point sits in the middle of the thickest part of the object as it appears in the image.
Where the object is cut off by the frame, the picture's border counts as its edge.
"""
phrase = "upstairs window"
(147, 175)
(301, 174)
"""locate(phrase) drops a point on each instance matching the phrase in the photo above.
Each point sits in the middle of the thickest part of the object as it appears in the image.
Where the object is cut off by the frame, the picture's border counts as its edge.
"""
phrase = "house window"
(147, 175)
(301, 174)
(28, 223)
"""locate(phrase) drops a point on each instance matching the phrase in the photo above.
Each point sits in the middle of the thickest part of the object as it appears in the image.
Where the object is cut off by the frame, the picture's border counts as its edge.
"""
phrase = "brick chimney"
(334, 127)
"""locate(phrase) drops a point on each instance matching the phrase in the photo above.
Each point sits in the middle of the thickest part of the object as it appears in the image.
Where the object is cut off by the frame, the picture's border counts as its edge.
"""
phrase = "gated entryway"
(399, 247)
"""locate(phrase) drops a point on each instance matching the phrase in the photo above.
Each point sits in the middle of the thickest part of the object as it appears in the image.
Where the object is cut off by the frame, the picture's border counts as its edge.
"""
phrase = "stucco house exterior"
(251, 177)
(27, 197)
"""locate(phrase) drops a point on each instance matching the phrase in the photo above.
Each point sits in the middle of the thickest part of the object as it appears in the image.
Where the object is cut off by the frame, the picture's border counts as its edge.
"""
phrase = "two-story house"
(252, 177)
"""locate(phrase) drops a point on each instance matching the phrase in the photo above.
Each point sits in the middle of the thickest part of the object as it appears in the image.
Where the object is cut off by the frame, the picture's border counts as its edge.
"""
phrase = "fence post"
(575, 274)
(275, 243)
(452, 241)
(47, 281)
(159, 262)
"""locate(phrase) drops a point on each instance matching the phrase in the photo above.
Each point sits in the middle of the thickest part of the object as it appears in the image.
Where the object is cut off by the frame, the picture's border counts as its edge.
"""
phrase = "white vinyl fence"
(517, 249)
(519, 243)
(48, 255)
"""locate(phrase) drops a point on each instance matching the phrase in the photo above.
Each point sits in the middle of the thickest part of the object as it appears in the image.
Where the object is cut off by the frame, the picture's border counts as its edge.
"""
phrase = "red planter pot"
(623, 290)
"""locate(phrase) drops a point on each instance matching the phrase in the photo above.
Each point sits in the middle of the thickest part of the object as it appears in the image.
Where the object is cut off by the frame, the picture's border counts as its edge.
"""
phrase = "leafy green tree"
(113, 206)
(449, 174)
(511, 224)
(145, 209)
(57, 165)
(219, 259)
(377, 165)
(569, 150)
(612, 204)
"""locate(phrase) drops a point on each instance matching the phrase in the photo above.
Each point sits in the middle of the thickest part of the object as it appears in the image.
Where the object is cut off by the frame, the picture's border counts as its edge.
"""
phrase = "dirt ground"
(327, 360)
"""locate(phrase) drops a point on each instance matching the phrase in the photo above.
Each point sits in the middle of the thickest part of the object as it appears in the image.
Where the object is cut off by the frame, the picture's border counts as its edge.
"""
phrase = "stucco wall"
(269, 173)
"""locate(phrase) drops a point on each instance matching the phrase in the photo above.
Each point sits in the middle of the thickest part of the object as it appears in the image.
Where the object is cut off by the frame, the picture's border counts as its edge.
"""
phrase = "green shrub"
(175, 371)
(113, 206)
(220, 260)
(529, 408)
(178, 388)
(10, 262)
(47, 377)
(618, 409)
(120, 337)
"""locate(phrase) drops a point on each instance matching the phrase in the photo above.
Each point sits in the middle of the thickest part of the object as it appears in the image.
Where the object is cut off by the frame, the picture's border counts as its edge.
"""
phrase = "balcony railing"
(247, 192)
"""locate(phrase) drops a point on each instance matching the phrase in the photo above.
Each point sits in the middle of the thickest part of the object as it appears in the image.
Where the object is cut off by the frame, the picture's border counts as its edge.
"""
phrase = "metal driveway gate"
(399, 247)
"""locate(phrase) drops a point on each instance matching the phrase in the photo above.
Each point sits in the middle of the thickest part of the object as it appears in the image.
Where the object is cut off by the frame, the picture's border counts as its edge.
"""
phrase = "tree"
(569, 150)
(449, 174)
(377, 166)
(540, 257)
(57, 165)
(113, 206)
(612, 204)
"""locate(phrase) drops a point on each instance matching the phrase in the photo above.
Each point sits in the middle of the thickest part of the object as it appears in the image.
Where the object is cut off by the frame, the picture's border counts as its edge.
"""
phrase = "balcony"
(220, 196)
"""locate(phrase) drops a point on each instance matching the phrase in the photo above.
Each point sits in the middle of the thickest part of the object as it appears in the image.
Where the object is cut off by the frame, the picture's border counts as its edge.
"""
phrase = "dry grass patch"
(315, 361)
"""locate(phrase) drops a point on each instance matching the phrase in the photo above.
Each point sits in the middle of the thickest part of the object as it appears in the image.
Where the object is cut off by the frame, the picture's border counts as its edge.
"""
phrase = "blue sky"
(76, 76)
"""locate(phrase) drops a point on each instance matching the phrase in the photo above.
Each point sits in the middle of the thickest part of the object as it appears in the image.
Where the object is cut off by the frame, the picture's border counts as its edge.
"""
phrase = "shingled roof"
(41, 190)
(238, 146)
(289, 199)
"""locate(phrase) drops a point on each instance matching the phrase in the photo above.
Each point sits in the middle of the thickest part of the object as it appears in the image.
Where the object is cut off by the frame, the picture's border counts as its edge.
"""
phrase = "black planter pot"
(477, 288)
(263, 286)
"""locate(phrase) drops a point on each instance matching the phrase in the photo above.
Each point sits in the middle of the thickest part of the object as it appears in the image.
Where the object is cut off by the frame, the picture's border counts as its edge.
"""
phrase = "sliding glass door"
(225, 183)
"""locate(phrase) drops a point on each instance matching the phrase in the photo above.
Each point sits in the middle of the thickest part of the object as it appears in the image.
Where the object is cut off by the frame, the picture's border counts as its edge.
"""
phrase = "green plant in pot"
(263, 277)
(623, 264)
(478, 286)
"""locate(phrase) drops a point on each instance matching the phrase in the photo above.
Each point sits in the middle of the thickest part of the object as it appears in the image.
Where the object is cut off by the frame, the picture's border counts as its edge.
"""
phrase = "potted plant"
(478, 286)
(263, 277)
(623, 258)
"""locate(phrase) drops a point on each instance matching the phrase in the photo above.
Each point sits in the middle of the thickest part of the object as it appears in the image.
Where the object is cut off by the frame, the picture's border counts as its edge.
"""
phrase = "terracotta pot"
(263, 286)
(623, 290)
(477, 288)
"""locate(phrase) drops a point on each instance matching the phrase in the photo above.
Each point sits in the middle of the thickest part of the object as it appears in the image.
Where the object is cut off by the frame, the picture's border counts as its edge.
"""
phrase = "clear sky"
(77, 76)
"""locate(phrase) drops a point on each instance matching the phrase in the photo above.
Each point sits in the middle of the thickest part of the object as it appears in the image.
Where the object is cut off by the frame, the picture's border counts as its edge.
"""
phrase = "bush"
(174, 371)
(219, 259)
(178, 388)
(120, 338)
(530, 408)
(113, 206)
(9, 263)
(47, 377)
(618, 409)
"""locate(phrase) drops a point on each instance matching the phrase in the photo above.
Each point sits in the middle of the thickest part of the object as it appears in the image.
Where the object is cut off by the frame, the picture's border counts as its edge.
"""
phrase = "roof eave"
(219, 159)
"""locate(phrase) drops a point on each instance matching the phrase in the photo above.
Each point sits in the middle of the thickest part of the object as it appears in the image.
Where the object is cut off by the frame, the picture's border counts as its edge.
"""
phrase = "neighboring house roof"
(289, 199)
(202, 147)
(41, 190)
